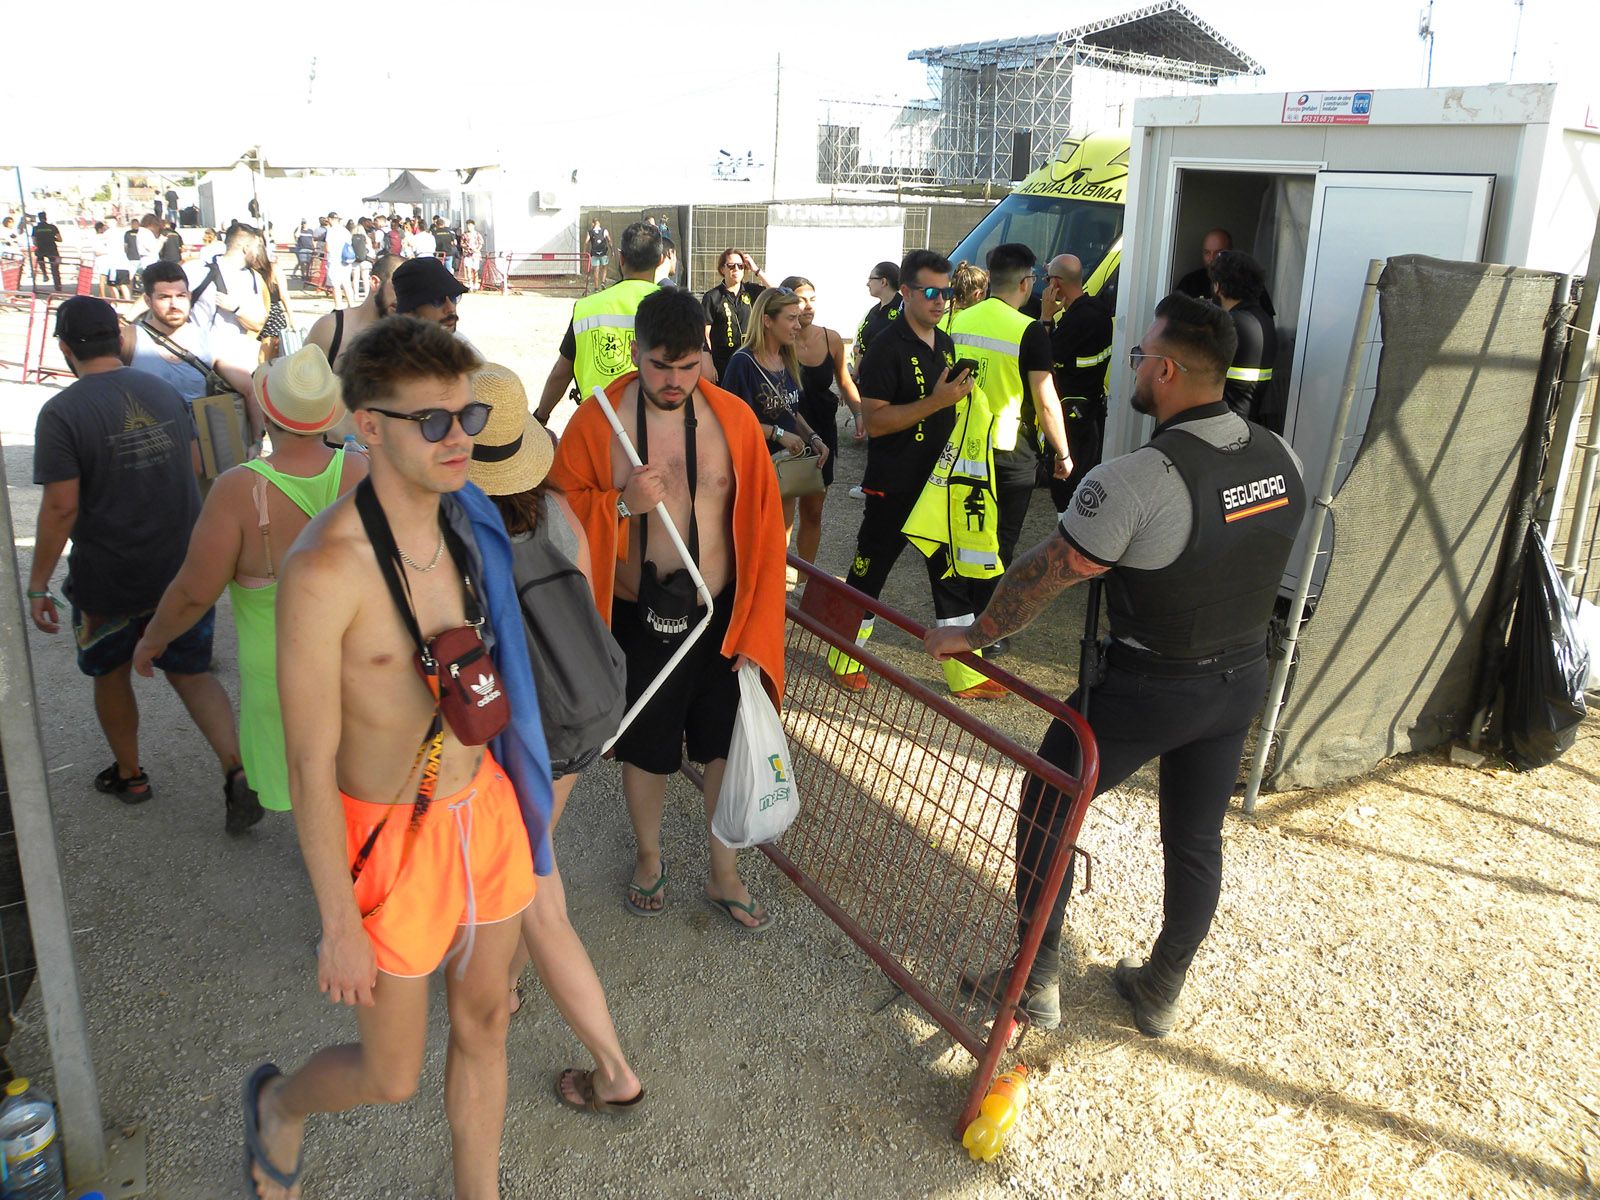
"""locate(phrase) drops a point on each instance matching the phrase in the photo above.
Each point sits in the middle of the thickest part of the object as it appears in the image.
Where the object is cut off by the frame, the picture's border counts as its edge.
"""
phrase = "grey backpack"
(578, 667)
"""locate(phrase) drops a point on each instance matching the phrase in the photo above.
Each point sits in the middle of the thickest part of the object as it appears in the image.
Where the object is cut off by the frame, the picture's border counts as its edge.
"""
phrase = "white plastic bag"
(758, 800)
(1589, 629)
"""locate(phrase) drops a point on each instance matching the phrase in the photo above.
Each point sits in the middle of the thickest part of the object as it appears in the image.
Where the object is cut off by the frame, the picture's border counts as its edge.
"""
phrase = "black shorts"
(694, 709)
(824, 422)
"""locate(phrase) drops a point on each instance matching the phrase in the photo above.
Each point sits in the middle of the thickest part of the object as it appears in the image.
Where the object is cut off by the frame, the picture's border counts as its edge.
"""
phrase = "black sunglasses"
(435, 422)
(936, 293)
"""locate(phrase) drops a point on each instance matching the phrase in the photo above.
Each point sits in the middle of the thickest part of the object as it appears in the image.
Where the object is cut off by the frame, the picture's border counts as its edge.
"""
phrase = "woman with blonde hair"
(971, 284)
(765, 373)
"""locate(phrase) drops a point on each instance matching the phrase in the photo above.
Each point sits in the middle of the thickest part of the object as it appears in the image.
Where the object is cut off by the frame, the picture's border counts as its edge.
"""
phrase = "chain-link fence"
(715, 227)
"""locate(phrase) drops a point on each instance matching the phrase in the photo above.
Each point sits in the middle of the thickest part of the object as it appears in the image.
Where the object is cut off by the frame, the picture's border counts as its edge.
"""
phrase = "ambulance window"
(1048, 225)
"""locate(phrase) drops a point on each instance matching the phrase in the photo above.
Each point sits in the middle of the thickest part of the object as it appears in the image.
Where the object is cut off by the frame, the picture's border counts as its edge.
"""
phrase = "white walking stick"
(689, 564)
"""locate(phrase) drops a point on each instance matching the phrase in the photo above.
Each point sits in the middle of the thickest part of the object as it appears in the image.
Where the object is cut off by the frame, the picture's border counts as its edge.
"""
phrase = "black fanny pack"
(668, 603)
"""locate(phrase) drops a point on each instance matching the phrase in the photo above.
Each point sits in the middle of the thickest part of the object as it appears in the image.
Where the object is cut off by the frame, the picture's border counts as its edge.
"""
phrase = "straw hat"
(513, 452)
(300, 393)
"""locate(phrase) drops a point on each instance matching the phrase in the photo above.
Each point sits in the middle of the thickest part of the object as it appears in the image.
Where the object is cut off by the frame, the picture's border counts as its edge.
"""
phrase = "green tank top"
(260, 719)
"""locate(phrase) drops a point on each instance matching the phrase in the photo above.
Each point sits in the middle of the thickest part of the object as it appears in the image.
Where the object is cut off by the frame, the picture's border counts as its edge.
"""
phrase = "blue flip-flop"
(255, 1154)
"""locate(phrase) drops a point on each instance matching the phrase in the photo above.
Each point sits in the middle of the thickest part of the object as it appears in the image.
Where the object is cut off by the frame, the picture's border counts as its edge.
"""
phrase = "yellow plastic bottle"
(986, 1136)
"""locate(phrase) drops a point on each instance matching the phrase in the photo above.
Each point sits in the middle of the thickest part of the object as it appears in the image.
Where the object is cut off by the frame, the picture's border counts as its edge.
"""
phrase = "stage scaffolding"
(1000, 107)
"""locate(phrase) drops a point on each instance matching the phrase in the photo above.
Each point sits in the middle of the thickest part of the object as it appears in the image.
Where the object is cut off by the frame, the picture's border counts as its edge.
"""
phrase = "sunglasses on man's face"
(435, 423)
(935, 293)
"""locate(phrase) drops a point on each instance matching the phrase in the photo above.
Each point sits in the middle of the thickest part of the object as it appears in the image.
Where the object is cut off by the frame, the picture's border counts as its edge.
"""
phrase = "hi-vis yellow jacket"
(991, 332)
(958, 507)
(602, 327)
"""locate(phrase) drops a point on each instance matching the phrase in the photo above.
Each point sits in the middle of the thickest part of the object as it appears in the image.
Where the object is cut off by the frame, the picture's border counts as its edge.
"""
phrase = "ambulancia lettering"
(1250, 499)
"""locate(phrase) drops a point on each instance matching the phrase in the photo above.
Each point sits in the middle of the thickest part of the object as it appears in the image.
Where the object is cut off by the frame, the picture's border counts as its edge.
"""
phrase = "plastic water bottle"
(986, 1136)
(32, 1150)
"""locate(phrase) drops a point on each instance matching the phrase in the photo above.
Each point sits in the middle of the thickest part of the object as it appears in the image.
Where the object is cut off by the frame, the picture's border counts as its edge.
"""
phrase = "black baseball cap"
(419, 281)
(86, 319)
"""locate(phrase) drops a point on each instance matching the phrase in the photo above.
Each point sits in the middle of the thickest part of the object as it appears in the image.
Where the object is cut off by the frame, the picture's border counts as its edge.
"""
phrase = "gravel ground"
(1398, 999)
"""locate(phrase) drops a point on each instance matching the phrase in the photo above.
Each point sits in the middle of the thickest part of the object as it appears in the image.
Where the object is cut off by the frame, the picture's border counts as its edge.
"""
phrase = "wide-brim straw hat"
(513, 453)
(300, 393)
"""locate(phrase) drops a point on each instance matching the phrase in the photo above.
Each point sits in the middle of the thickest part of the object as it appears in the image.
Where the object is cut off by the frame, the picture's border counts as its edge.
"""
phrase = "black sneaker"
(1040, 1000)
(242, 807)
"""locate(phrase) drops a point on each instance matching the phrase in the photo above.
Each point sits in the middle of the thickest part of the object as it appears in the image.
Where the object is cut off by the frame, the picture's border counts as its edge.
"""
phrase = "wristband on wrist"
(623, 510)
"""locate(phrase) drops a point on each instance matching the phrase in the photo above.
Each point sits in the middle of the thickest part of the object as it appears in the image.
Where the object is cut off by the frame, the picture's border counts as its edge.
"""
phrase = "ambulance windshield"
(1048, 225)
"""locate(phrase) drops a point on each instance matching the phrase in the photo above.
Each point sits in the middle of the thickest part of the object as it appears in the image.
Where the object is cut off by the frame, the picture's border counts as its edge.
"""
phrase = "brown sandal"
(583, 1084)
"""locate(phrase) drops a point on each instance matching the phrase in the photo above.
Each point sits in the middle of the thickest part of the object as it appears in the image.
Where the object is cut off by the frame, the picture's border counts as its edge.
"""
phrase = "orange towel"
(582, 470)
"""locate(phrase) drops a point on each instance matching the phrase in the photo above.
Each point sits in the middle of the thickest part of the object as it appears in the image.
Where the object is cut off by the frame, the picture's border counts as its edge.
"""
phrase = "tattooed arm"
(1025, 591)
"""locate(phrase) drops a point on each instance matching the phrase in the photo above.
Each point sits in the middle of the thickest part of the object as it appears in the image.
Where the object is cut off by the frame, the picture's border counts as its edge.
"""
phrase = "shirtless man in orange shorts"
(434, 880)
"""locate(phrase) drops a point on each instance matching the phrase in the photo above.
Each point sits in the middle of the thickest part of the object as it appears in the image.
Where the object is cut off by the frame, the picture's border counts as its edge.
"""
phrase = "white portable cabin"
(1316, 184)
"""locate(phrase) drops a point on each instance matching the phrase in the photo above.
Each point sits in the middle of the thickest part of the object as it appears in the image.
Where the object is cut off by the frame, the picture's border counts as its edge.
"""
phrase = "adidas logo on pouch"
(486, 690)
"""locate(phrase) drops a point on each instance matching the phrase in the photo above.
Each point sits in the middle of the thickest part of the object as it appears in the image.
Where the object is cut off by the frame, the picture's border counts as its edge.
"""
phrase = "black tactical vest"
(1215, 600)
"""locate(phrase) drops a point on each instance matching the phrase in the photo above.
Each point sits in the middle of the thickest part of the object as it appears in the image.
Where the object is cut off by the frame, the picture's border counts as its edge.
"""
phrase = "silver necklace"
(418, 567)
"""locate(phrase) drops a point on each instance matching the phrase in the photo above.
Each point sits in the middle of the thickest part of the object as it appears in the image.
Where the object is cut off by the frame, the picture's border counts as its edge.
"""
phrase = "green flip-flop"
(647, 893)
(726, 907)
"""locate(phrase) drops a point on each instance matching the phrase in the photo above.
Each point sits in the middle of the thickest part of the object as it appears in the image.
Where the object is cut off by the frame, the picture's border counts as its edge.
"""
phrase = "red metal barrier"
(910, 810)
(42, 341)
(16, 330)
(548, 272)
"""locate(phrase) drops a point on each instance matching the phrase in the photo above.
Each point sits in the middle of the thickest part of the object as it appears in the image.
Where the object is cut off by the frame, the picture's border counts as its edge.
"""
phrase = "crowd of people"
(443, 613)
(345, 251)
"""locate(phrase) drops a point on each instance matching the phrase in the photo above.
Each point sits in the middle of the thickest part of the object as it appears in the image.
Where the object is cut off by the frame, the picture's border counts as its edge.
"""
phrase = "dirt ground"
(1398, 999)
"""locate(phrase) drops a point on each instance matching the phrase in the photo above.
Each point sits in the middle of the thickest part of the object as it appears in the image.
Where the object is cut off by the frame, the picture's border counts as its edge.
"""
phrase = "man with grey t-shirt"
(1192, 533)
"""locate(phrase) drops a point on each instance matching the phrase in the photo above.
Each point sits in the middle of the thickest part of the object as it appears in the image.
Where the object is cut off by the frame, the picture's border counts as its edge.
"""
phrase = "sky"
(662, 87)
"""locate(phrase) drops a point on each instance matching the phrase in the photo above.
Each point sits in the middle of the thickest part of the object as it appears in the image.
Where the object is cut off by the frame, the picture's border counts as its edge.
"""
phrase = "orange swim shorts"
(468, 864)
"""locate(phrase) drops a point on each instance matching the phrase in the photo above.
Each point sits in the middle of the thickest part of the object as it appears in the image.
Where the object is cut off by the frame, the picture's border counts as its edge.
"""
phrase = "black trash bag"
(1545, 667)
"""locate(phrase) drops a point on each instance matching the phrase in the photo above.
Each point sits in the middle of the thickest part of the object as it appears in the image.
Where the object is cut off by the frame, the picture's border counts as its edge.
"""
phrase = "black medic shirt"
(900, 368)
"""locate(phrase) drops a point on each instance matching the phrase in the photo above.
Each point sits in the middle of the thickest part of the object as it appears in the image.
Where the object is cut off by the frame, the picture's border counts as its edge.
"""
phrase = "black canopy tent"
(406, 188)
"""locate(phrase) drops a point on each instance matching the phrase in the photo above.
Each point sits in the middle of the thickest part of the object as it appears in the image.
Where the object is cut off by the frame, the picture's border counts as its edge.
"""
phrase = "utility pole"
(1425, 32)
(1516, 38)
(777, 113)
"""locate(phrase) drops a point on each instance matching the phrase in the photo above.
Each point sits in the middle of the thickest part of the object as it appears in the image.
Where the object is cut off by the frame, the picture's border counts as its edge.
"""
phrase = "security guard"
(598, 345)
(909, 390)
(1080, 342)
(1240, 285)
(1192, 532)
(1015, 373)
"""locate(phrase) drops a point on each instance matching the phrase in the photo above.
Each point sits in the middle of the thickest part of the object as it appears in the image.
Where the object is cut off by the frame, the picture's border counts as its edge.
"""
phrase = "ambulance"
(1071, 205)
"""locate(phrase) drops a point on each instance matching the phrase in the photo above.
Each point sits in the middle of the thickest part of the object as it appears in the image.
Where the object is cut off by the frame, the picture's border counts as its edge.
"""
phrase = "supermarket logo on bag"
(775, 761)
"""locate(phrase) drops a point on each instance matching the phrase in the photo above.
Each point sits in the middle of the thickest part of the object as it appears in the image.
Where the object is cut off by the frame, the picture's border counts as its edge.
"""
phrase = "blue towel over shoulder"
(520, 747)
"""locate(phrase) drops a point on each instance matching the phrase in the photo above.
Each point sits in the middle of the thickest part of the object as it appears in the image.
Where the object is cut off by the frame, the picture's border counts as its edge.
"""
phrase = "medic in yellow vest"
(598, 345)
(972, 496)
